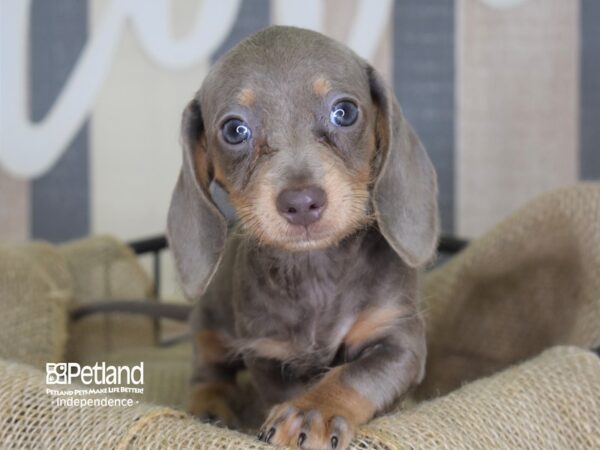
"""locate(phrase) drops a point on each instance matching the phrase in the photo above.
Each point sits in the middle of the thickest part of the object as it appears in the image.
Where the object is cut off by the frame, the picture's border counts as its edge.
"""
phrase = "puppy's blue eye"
(236, 131)
(344, 114)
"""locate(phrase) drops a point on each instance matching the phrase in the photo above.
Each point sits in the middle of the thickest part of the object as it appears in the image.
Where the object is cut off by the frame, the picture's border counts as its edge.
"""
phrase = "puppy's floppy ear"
(405, 191)
(195, 227)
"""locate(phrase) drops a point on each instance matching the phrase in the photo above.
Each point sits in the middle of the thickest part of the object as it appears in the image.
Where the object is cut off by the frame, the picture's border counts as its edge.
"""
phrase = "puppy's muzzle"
(302, 206)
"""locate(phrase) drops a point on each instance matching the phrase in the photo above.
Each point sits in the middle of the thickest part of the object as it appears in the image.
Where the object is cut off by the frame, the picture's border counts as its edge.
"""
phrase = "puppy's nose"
(302, 206)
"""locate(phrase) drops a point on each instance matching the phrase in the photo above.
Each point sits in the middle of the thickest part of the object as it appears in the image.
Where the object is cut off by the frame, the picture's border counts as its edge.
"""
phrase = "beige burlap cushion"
(551, 401)
(103, 268)
(40, 283)
(35, 288)
(532, 282)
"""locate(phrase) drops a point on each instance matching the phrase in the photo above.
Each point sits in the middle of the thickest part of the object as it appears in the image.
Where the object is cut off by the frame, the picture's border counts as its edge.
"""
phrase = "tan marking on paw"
(212, 399)
(333, 397)
(331, 409)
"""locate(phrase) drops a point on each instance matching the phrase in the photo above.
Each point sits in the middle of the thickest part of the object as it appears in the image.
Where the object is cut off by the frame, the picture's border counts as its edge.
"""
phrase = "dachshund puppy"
(314, 291)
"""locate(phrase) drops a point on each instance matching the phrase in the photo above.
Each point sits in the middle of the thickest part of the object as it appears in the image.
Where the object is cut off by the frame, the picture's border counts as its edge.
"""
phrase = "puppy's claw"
(301, 439)
(209, 417)
(334, 441)
(309, 428)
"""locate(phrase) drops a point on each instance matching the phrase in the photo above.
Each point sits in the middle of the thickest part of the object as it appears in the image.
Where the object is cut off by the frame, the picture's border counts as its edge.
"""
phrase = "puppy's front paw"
(309, 426)
(210, 402)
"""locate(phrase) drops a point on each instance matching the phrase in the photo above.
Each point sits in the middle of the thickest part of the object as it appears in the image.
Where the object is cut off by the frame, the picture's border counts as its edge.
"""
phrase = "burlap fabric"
(532, 282)
(103, 268)
(35, 288)
(549, 402)
(40, 283)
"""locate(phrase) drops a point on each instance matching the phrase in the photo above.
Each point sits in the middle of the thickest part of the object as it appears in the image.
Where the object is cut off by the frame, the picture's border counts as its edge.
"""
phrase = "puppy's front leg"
(326, 416)
(213, 389)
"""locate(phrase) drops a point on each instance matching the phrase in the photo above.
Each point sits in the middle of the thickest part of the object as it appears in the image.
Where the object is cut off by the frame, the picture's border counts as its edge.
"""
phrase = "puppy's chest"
(303, 327)
(313, 341)
(299, 311)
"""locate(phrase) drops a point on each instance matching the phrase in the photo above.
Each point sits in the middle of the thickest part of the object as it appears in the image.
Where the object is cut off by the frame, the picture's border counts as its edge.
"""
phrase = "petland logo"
(99, 374)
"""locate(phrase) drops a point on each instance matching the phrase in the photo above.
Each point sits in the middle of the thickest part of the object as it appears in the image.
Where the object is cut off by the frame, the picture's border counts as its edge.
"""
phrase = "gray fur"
(307, 299)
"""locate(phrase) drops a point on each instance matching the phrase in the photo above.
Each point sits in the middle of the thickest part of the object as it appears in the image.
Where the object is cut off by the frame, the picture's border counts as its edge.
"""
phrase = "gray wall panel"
(589, 91)
(252, 16)
(60, 199)
(424, 84)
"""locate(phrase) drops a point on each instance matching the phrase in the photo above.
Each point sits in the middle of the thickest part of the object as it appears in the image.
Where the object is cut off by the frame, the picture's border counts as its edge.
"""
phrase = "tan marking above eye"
(372, 323)
(321, 87)
(246, 97)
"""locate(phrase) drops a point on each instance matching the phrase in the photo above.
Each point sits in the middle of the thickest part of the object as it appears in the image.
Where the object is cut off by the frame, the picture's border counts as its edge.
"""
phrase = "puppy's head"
(310, 145)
